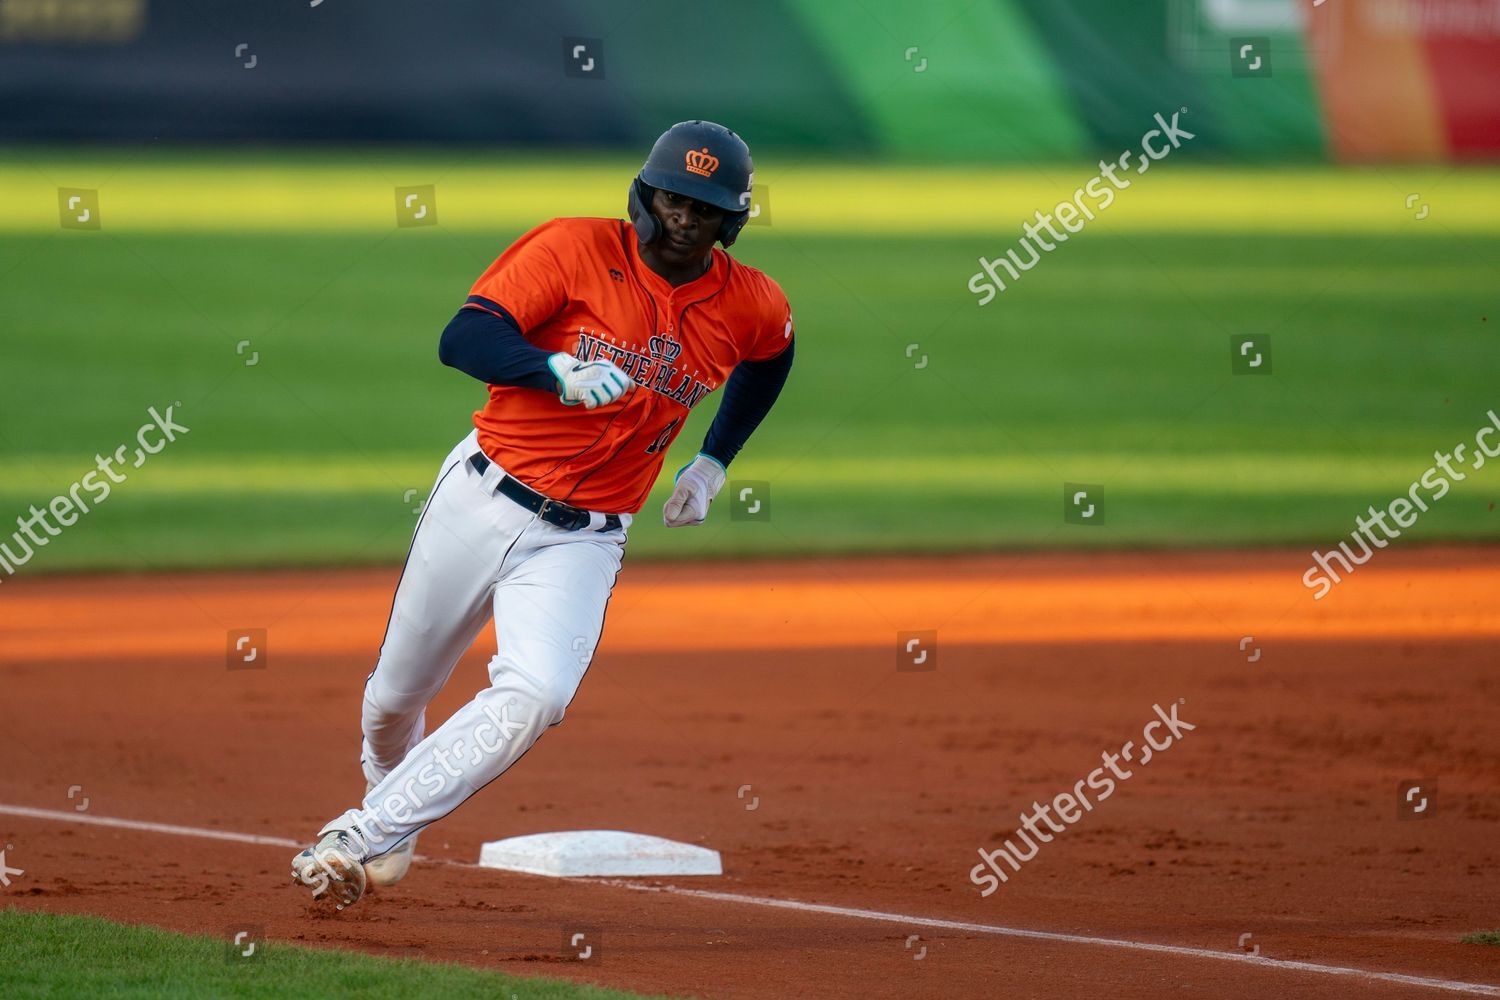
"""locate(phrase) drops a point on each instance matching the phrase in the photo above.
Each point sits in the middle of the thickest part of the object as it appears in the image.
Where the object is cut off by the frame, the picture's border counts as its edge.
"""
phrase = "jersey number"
(663, 439)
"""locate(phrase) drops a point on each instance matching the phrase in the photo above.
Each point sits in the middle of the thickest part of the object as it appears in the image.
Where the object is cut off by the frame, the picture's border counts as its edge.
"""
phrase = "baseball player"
(595, 337)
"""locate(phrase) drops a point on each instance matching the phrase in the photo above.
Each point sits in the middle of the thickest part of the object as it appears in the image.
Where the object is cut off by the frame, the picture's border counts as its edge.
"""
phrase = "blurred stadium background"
(1337, 200)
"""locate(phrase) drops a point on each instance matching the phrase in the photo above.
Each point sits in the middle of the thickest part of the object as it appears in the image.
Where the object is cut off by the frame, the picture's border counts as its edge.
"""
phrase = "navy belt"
(556, 512)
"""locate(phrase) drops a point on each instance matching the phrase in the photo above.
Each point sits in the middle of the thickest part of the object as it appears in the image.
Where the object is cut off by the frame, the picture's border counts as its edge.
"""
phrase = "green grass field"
(1108, 364)
(46, 955)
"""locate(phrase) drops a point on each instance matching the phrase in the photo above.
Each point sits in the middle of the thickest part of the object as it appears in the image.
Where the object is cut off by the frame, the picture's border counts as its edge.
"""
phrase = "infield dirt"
(869, 786)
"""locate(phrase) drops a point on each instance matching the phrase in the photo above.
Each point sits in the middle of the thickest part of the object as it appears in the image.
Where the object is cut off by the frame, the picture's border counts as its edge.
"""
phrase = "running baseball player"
(595, 337)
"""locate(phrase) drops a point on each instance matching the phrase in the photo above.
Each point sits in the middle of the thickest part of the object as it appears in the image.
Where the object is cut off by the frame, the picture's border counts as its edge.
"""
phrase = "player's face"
(689, 227)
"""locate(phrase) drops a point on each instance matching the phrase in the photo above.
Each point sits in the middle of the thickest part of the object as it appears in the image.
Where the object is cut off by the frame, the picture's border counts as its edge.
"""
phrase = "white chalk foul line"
(135, 824)
(1290, 965)
(1454, 986)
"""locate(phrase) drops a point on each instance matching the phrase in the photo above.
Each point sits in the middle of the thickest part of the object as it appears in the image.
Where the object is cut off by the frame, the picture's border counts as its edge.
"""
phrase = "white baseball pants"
(475, 554)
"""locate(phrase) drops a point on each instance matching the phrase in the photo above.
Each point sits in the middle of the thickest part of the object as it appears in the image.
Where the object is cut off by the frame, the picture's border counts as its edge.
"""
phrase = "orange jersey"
(580, 286)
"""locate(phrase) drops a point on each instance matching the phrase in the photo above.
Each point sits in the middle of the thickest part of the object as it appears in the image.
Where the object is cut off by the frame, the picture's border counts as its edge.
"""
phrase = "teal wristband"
(695, 458)
(552, 368)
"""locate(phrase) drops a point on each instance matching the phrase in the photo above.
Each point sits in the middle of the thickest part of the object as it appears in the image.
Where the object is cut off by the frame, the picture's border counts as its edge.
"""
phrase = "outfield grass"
(47, 955)
(1107, 364)
(484, 190)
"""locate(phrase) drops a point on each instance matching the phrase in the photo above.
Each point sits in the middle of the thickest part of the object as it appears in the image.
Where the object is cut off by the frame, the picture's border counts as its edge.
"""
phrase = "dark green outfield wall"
(939, 80)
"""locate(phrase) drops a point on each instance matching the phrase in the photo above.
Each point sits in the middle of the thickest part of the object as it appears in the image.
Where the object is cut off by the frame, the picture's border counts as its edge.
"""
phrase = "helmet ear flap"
(729, 229)
(638, 202)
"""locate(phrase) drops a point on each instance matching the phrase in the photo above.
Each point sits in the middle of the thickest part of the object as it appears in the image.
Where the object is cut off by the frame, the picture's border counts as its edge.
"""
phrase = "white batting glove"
(697, 485)
(592, 383)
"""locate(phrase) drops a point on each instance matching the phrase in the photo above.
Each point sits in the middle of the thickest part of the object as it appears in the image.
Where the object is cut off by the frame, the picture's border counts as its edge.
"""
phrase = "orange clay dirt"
(870, 787)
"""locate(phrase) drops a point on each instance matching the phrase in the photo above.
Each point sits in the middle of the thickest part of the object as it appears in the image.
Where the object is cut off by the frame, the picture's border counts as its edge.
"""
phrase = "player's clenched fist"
(592, 383)
(697, 485)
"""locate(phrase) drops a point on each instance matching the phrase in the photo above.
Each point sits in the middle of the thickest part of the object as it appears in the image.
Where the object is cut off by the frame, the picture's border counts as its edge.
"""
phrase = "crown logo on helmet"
(702, 162)
(664, 349)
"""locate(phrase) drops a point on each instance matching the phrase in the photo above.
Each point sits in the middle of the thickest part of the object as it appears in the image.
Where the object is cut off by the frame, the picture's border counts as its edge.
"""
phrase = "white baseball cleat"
(392, 866)
(331, 868)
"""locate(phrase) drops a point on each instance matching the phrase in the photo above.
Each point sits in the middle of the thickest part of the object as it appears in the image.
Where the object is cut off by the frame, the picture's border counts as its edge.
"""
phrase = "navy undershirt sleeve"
(749, 393)
(485, 342)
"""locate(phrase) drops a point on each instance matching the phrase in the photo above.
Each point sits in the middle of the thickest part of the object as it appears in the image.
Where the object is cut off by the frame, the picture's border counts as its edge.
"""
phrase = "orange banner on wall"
(1409, 79)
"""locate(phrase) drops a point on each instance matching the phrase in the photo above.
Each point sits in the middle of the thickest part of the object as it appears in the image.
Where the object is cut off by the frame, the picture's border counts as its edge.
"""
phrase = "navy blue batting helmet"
(699, 160)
